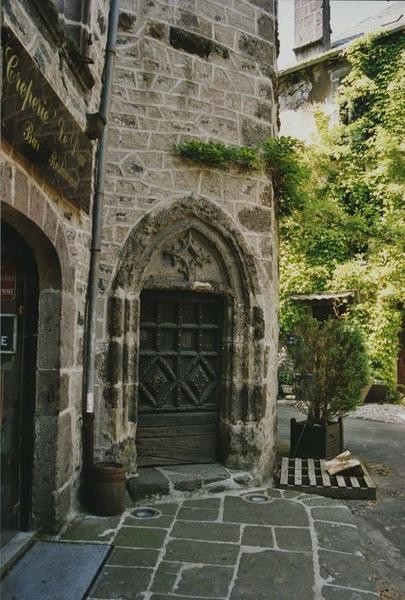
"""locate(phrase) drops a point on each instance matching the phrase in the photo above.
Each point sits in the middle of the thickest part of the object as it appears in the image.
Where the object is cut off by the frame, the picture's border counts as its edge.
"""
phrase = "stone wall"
(190, 69)
(305, 89)
(59, 234)
(312, 27)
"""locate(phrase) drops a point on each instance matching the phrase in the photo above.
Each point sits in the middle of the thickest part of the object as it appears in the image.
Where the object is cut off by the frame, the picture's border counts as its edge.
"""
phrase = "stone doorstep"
(205, 478)
(15, 548)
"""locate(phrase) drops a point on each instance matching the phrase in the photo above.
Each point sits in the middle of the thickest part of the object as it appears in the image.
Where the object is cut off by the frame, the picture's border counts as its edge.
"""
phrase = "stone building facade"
(45, 256)
(187, 291)
(187, 310)
(311, 83)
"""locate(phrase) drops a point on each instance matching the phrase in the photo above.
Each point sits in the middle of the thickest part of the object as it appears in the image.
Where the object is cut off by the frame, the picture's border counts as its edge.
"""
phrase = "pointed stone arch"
(191, 245)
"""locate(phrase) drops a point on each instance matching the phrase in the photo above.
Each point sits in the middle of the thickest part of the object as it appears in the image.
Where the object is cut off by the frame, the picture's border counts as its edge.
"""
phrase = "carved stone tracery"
(186, 255)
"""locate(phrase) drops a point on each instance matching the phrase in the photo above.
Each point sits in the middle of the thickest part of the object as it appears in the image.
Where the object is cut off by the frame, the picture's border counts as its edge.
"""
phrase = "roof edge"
(334, 53)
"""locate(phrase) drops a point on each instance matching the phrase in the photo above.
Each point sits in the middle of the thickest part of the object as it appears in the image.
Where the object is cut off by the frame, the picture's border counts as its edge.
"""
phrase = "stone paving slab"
(269, 574)
(160, 481)
(224, 547)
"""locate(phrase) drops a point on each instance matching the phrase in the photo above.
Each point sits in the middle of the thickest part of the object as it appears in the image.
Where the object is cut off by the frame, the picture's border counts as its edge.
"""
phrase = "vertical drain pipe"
(97, 223)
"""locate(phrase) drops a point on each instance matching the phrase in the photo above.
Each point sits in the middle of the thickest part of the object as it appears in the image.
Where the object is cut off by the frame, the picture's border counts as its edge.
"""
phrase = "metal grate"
(310, 476)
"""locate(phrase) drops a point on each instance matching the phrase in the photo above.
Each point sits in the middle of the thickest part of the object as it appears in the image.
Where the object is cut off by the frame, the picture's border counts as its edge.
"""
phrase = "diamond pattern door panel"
(179, 378)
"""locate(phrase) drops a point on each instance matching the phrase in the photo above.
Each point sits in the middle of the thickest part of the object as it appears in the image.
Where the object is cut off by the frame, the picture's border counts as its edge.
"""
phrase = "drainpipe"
(90, 335)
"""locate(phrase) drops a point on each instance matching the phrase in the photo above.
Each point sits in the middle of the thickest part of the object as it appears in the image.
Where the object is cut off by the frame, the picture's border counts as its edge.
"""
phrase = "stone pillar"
(312, 27)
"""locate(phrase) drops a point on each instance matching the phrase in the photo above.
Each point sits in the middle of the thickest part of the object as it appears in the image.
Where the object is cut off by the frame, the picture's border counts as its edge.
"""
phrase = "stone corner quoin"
(206, 71)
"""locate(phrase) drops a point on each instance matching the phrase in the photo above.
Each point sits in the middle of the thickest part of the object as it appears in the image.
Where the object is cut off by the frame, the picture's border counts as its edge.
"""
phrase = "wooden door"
(179, 378)
(19, 319)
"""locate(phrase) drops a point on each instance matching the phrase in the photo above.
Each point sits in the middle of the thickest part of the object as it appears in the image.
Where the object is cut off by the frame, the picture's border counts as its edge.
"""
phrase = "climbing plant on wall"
(350, 232)
(340, 201)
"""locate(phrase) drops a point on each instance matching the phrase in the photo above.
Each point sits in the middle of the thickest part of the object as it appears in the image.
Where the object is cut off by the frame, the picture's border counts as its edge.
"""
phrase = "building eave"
(333, 53)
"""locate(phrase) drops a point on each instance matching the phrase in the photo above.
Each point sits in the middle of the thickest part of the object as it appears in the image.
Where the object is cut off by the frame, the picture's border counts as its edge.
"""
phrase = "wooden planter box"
(316, 441)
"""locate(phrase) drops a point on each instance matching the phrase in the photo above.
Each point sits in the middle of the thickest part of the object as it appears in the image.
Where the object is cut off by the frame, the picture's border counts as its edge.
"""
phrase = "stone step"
(162, 481)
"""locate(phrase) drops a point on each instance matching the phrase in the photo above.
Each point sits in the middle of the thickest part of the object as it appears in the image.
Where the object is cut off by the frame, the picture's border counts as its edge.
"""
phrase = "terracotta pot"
(107, 489)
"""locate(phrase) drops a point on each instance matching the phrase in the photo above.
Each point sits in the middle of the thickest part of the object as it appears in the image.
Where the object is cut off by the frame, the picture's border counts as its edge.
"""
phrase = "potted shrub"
(331, 370)
(286, 381)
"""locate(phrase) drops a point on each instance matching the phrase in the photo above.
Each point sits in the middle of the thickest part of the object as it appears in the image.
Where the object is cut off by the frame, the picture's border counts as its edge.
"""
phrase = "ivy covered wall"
(350, 231)
(340, 199)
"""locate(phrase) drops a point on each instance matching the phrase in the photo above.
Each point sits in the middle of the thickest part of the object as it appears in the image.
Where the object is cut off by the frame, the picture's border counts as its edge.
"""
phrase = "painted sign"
(8, 334)
(37, 124)
(8, 281)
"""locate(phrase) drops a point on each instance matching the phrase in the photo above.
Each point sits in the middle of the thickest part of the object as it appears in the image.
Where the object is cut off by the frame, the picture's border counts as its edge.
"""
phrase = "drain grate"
(310, 476)
(145, 513)
(256, 498)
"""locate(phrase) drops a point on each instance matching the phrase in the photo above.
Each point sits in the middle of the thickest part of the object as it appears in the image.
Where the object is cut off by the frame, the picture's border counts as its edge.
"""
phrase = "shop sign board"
(8, 334)
(37, 124)
(8, 281)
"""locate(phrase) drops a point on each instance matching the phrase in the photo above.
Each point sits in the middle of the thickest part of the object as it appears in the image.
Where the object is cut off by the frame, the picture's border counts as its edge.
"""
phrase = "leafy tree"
(350, 232)
(330, 366)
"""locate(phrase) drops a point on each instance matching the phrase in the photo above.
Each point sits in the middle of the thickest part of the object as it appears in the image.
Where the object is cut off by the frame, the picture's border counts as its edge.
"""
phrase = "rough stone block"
(208, 580)
(140, 537)
(115, 316)
(212, 532)
(276, 512)
(91, 529)
(265, 27)
(344, 569)
(256, 219)
(291, 538)
(165, 577)
(254, 132)
(49, 392)
(114, 582)
(342, 538)
(130, 557)
(37, 206)
(258, 536)
(149, 482)
(21, 192)
(270, 574)
(339, 514)
(63, 505)
(64, 392)
(49, 330)
(6, 176)
(202, 552)
(64, 458)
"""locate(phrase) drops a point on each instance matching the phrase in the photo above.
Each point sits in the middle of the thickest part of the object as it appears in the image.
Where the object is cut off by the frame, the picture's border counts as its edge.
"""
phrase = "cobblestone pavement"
(290, 547)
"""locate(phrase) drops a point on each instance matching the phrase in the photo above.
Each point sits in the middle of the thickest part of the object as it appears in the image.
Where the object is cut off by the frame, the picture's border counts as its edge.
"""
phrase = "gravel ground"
(387, 413)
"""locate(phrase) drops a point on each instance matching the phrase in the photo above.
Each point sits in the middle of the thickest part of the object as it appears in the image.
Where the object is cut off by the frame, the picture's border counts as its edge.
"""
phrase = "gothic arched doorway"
(180, 379)
(187, 252)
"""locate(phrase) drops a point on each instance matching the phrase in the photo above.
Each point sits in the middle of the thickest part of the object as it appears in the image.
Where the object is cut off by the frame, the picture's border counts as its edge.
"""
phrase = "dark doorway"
(19, 321)
(181, 337)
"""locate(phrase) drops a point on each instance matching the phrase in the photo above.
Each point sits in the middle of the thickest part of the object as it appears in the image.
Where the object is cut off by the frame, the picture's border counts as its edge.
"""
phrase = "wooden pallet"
(309, 475)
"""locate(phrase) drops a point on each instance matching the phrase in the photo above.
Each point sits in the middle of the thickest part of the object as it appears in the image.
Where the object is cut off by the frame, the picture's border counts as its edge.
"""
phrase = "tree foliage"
(330, 367)
(350, 233)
